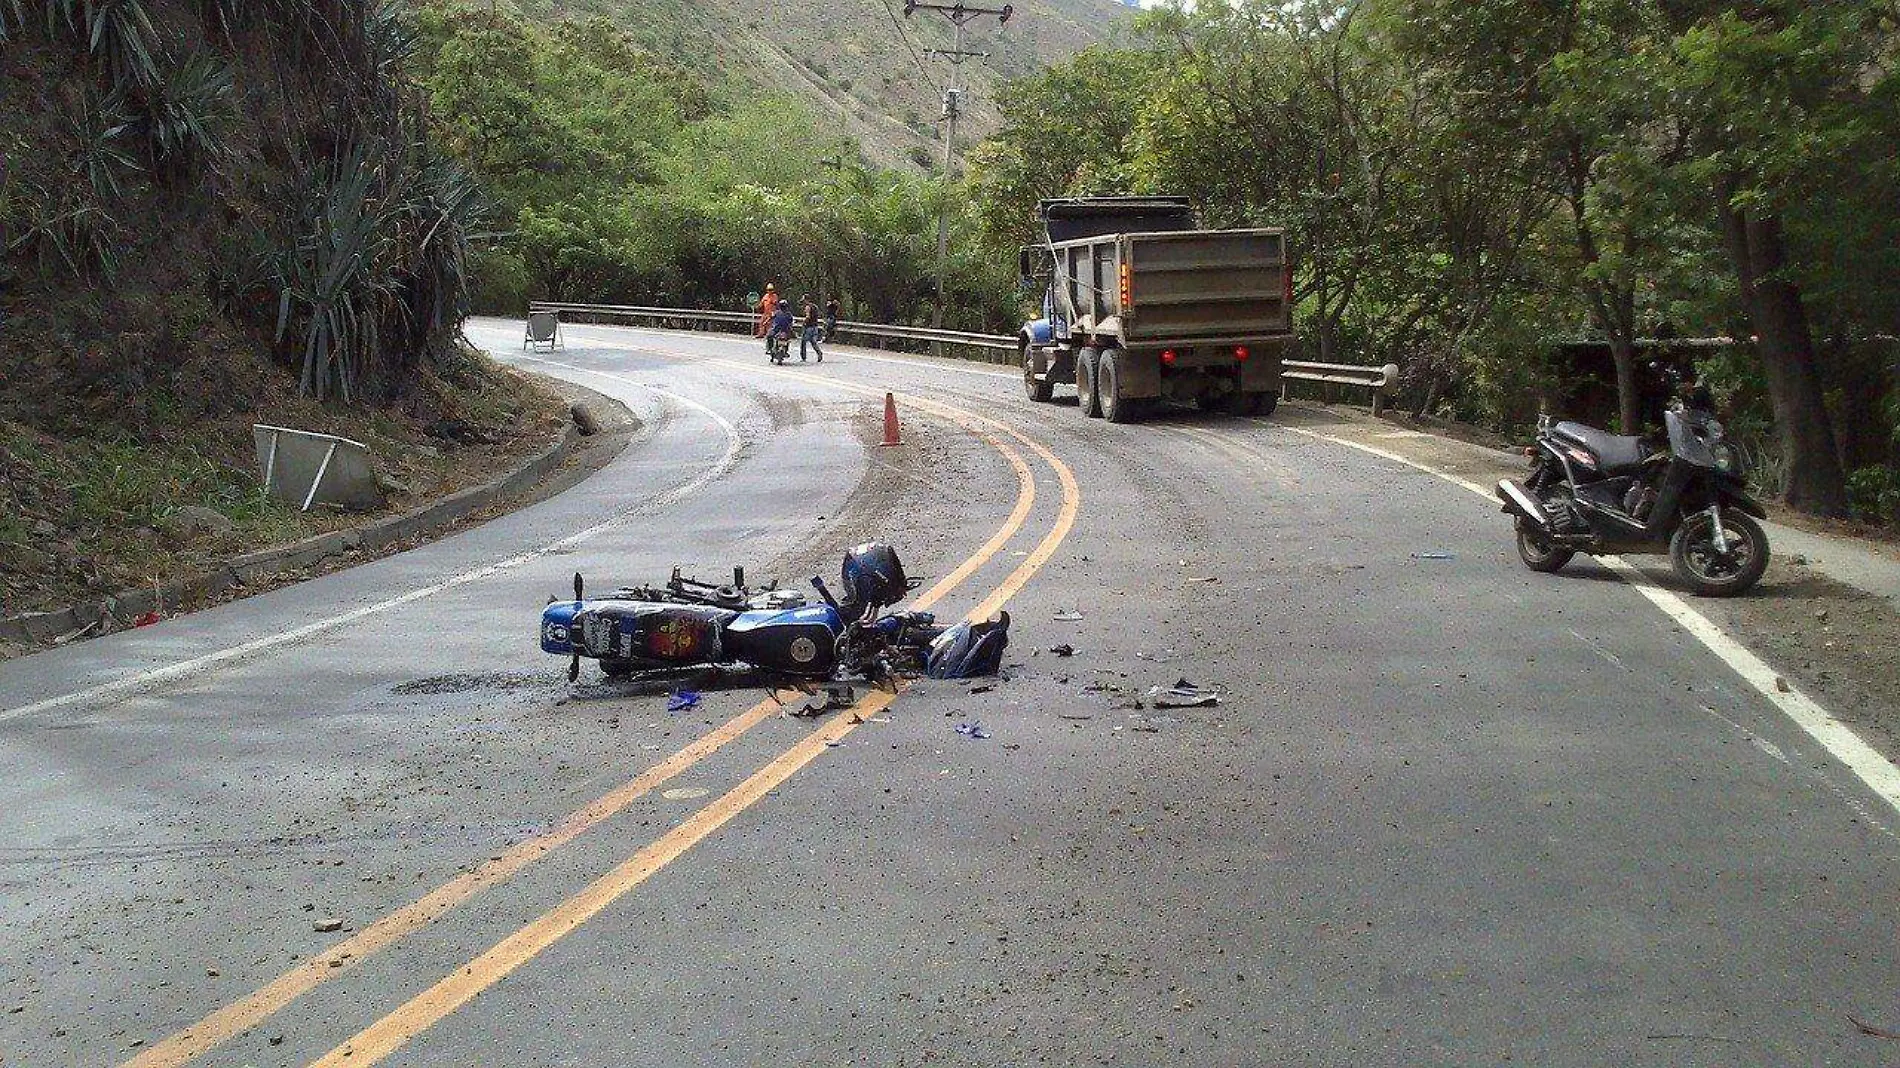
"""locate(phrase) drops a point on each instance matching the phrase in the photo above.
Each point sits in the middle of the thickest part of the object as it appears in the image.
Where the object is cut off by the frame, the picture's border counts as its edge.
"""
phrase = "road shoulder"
(556, 463)
(1827, 638)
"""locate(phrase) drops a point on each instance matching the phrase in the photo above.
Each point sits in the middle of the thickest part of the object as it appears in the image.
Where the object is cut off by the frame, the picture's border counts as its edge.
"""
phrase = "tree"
(1777, 92)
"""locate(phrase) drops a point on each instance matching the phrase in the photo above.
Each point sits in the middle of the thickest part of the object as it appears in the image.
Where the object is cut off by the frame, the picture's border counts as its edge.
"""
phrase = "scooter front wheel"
(1710, 571)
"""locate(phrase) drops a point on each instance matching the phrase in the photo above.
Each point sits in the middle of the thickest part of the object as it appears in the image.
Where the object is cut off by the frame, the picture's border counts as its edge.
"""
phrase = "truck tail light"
(1127, 291)
(1168, 357)
(1240, 353)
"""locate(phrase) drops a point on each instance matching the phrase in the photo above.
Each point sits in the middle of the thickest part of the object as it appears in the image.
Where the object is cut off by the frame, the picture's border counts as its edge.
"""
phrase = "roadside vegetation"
(620, 175)
(214, 214)
(1470, 183)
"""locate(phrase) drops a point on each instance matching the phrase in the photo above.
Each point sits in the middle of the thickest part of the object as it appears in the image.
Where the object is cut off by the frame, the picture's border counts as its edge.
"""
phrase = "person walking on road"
(768, 306)
(808, 308)
(831, 318)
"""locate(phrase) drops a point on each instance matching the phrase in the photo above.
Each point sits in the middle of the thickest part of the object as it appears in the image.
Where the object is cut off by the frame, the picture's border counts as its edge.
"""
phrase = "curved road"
(1447, 812)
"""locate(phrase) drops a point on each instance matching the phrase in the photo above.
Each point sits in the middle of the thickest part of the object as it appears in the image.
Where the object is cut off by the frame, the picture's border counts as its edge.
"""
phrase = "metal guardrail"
(885, 331)
(1378, 379)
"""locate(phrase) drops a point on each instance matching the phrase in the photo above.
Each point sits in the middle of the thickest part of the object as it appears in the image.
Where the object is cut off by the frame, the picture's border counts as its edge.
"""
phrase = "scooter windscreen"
(1693, 436)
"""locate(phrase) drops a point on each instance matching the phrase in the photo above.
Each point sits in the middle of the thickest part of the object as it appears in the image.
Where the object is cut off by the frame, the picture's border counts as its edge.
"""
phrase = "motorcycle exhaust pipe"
(1516, 499)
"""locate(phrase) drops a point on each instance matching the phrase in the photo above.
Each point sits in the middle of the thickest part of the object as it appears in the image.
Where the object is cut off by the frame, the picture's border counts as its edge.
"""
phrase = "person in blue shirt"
(780, 326)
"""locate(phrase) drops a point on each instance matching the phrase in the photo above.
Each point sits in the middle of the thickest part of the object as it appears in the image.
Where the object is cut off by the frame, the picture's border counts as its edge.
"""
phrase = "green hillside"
(849, 60)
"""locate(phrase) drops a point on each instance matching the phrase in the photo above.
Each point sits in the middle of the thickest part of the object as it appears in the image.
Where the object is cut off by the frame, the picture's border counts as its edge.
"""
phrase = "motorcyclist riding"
(780, 327)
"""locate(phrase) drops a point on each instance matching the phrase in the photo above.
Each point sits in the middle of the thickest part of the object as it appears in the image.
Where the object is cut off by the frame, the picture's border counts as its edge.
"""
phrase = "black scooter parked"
(1598, 493)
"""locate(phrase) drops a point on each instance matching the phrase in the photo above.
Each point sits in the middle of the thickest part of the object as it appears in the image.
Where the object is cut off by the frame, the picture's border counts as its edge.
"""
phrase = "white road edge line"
(185, 668)
(1868, 765)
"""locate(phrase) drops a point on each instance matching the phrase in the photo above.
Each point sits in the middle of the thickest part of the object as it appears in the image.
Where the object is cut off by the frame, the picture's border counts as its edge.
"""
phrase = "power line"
(922, 67)
(960, 14)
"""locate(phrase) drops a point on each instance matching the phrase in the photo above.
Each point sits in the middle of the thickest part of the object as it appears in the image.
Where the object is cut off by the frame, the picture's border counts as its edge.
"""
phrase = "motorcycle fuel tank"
(801, 641)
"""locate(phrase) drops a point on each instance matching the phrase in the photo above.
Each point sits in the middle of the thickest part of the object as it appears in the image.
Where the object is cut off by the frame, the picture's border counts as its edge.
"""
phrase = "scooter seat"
(1616, 455)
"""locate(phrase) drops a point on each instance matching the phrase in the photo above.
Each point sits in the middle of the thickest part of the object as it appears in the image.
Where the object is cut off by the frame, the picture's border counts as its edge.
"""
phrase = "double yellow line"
(424, 1010)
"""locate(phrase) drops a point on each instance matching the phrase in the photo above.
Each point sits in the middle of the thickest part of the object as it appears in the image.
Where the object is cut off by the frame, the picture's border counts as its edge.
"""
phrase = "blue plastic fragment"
(682, 701)
(972, 730)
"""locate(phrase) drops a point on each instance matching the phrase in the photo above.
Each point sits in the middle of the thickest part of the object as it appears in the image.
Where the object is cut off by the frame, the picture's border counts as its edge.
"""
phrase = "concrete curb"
(38, 628)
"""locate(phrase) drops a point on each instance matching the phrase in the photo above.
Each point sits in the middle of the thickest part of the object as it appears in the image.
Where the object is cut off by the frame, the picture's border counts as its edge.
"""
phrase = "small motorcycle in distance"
(1593, 492)
(686, 624)
(781, 348)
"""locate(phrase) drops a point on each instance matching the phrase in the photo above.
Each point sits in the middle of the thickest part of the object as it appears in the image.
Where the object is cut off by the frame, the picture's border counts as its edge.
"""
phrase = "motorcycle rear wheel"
(1537, 551)
(1712, 574)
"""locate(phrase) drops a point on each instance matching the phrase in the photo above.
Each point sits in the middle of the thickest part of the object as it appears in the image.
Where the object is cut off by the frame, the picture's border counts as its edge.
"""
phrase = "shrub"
(1873, 493)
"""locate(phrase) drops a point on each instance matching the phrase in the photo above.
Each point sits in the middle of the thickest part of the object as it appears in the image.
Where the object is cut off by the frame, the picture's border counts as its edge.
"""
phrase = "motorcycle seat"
(1616, 455)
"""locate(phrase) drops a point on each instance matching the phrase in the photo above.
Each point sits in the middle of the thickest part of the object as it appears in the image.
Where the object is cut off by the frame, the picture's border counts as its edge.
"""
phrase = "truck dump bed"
(1179, 287)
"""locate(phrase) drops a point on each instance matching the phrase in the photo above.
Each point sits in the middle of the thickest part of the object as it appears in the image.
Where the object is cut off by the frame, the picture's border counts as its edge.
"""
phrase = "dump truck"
(1141, 306)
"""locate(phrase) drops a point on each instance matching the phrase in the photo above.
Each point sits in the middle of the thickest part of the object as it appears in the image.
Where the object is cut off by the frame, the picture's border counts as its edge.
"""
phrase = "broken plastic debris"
(1432, 554)
(1068, 615)
(835, 697)
(972, 729)
(1063, 650)
(682, 701)
(1183, 694)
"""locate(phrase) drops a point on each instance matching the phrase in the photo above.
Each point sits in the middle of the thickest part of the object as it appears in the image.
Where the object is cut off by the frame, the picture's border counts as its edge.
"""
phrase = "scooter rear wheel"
(1537, 551)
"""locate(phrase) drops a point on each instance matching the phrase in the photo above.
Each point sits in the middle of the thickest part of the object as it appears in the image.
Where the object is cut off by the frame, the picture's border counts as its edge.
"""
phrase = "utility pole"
(960, 15)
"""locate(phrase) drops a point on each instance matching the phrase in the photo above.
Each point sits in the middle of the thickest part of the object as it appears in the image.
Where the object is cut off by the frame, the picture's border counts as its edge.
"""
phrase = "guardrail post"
(1378, 401)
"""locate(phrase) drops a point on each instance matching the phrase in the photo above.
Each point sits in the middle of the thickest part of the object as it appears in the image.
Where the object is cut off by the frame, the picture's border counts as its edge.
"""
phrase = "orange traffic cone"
(890, 422)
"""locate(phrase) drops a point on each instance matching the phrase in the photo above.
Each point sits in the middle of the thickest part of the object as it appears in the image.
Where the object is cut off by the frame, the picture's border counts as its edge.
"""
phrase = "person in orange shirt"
(767, 306)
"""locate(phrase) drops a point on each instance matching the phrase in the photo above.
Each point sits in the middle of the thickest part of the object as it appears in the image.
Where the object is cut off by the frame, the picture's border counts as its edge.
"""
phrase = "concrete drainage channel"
(118, 610)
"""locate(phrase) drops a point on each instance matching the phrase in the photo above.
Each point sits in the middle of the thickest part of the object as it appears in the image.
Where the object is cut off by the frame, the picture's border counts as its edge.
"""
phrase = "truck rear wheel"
(1087, 391)
(1115, 407)
(1039, 389)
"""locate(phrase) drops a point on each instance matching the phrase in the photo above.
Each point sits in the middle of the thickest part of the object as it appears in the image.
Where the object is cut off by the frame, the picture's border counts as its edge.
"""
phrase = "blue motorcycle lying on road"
(686, 624)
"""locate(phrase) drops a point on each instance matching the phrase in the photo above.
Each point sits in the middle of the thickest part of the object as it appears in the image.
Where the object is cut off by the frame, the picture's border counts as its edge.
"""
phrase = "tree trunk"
(1759, 250)
(1628, 404)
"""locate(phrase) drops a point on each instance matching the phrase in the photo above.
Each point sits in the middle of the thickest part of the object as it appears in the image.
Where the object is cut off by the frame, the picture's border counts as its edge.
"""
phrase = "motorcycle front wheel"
(1717, 574)
(1537, 551)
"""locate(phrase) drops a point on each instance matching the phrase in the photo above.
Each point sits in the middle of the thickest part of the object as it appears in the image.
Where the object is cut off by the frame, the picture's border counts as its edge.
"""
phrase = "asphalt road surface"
(1448, 812)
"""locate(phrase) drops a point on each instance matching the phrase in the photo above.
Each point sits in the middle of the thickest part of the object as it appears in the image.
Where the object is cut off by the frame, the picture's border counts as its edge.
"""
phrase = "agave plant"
(334, 279)
(186, 113)
(103, 152)
(119, 34)
(84, 238)
(442, 210)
